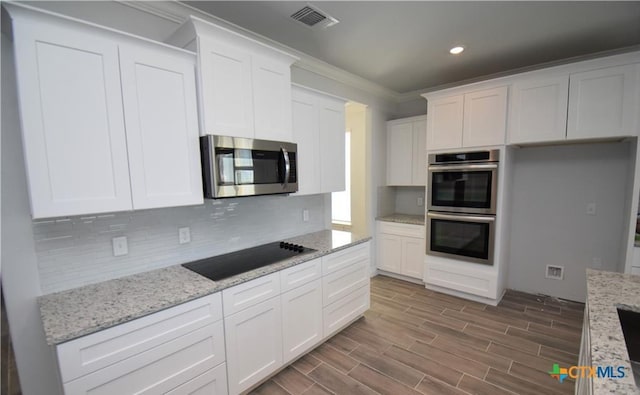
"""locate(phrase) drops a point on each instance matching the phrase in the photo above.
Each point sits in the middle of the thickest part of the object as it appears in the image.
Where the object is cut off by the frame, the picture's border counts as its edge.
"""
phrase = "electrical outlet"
(420, 201)
(120, 246)
(591, 209)
(305, 215)
(184, 235)
(597, 263)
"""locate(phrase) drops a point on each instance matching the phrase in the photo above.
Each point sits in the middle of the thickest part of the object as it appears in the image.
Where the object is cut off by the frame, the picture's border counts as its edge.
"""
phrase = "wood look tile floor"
(416, 341)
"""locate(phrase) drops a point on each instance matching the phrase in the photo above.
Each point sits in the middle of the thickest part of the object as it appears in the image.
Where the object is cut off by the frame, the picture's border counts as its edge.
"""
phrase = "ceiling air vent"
(314, 17)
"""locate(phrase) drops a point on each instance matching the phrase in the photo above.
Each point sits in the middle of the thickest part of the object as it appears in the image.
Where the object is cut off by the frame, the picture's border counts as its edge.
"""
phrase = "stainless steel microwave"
(234, 166)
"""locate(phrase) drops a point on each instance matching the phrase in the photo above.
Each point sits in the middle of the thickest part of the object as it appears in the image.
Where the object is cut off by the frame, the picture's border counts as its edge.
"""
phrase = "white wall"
(406, 200)
(20, 282)
(411, 108)
(549, 225)
(356, 122)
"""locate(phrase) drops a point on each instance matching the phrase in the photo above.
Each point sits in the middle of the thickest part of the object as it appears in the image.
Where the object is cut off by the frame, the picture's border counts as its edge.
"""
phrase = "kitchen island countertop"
(81, 311)
(606, 291)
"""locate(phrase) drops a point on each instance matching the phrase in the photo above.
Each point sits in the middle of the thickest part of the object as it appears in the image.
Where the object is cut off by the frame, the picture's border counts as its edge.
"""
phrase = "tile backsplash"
(76, 251)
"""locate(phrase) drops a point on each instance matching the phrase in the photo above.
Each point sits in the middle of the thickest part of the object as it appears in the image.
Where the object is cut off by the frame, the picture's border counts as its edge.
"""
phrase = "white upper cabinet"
(162, 127)
(319, 131)
(474, 119)
(485, 117)
(245, 86)
(538, 110)
(109, 121)
(72, 119)
(406, 151)
(604, 103)
(445, 122)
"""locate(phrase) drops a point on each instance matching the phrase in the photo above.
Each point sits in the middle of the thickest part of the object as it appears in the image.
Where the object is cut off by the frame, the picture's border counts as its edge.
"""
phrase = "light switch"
(184, 235)
(305, 215)
(120, 246)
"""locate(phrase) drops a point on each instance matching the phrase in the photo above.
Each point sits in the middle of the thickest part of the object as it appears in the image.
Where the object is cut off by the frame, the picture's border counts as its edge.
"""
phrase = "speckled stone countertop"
(81, 311)
(605, 292)
(403, 219)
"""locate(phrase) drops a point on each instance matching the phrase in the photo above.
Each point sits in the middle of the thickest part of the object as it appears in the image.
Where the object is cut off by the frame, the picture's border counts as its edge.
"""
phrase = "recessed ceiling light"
(456, 50)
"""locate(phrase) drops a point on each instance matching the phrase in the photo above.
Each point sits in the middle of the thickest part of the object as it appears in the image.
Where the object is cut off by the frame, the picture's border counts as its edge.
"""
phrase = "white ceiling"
(404, 45)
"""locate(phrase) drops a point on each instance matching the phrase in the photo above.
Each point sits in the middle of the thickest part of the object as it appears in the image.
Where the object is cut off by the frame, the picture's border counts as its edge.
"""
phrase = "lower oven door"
(460, 236)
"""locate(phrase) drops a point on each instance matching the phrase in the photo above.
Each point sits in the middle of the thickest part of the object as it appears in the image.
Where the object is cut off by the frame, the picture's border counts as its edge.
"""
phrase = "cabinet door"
(538, 110)
(400, 147)
(413, 252)
(254, 344)
(305, 132)
(159, 93)
(445, 123)
(389, 252)
(72, 121)
(419, 162)
(485, 117)
(332, 144)
(271, 99)
(225, 89)
(603, 103)
(301, 319)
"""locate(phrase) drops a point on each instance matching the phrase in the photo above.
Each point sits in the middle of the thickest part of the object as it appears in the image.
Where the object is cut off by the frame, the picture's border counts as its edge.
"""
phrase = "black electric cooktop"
(222, 266)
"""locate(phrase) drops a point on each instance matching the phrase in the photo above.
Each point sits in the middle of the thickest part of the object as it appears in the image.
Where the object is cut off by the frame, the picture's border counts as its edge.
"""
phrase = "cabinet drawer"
(342, 282)
(344, 258)
(250, 293)
(340, 313)
(212, 382)
(157, 370)
(298, 275)
(101, 349)
(401, 229)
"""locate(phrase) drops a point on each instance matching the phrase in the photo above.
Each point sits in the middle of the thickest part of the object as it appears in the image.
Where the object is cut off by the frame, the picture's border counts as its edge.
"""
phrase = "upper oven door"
(468, 188)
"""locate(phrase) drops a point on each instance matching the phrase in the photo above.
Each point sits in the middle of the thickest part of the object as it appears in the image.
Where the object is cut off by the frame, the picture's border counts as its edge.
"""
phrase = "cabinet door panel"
(445, 123)
(419, 153)
(301, 319)
(538, 110)
(413, 257)
(72, 121)
(271, 99)
(306, 135)
(332, 145)
(340, 313)
(337, 285)
(603, 103)
(485, 117)
(389, 252)
(400, 147)
(162, 127)
(213, 382)
(254, 344)
(226, 89)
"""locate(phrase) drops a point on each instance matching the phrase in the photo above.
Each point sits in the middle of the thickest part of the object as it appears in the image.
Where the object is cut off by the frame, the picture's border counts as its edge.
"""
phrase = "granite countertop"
(81, 311)
(403, 219)
(605, 292)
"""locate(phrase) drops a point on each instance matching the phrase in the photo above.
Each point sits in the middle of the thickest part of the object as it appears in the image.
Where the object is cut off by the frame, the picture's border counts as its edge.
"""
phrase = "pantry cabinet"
(604, 103)
(244, 86)
(319, 131)
(473, 119)
(401, 248)
(109, 121)
(407, 151)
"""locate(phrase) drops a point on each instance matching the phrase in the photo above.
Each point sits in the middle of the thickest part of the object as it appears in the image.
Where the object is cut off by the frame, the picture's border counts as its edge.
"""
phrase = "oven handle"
(287, 166)
(487, 166)
(455, 217)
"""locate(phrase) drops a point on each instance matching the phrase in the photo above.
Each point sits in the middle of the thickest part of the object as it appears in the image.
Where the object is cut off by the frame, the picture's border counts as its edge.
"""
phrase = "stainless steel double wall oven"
(462, 199)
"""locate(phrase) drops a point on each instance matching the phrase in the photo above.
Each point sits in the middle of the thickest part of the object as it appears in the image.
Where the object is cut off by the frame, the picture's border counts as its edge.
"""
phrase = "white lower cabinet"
(155, 354)
(254, 344)
(212, 382)
(301, 319)
(401, 248)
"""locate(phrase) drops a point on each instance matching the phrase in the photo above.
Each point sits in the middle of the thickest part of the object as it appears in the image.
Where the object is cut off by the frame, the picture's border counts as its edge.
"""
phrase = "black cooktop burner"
(227, 265)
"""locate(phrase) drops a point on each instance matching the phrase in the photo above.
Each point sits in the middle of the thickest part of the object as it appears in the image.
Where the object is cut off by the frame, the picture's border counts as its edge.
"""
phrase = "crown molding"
(178, 12)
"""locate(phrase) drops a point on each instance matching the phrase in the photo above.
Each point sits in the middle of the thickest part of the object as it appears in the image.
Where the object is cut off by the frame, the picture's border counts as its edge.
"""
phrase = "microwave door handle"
(287, 166)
